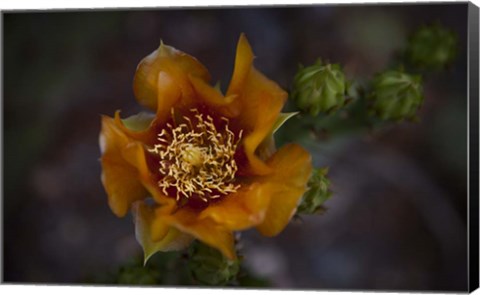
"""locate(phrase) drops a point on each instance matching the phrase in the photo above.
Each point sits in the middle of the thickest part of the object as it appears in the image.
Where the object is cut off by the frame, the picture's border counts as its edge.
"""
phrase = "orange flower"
(208, 160)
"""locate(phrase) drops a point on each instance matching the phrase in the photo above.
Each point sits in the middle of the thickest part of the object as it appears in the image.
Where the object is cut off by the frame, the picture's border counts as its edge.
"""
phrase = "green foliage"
(163, 268)
(432, 47)
(396, 95)
(318, 192)
(208, 266)
(202, 266)
(138, 275)
(319, 88)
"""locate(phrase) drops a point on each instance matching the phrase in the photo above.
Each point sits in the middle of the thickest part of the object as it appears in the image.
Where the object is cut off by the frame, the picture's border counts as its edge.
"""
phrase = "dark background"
(398, 216)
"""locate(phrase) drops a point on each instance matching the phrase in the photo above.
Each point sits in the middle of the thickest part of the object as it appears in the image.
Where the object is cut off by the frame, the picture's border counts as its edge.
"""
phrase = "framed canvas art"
(298, 147)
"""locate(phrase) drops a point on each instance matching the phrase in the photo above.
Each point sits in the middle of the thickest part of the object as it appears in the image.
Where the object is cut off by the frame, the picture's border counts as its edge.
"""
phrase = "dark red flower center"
(197, 157)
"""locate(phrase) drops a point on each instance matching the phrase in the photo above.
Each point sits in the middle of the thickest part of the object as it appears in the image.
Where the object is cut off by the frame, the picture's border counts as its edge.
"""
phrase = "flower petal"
(206, 230)
(243, 65)
(272, 200)
(292, 165)
(169, 94)
(260, 101)
(120, 177)
(138, 127)
(134, 154)
(176, 65)
(224, 105)
(241, 210)
(270, 107)
(147, 226)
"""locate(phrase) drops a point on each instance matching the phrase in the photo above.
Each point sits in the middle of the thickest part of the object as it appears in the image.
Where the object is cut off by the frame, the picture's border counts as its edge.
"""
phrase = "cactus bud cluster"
(318, 192)
(138, 275)
(396, 95)
(432, 47)
(319, 88)
(208, 266)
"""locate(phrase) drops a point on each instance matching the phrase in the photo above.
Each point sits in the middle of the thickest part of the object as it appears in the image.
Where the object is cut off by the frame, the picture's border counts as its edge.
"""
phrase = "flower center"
(196, 159)
(193, 155)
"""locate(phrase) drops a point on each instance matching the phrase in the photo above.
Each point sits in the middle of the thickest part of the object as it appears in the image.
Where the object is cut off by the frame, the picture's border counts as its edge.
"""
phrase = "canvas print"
(319, 147)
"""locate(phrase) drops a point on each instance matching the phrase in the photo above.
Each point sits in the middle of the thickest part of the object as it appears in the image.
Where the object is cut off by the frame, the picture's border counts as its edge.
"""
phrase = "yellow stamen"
(196, 158)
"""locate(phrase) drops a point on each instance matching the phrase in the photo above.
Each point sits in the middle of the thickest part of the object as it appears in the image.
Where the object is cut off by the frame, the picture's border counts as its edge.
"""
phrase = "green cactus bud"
(396, 95)
(318, 192)
(319, 88)
(209, 267)
(432, 47)
(138, 275)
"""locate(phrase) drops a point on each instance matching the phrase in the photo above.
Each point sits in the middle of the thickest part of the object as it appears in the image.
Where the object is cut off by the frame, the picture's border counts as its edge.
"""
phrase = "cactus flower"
(203, 164)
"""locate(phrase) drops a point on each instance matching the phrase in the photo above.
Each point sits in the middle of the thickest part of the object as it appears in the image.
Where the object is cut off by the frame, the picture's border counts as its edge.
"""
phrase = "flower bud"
(138, 275)
(208, 266)
(319, 88)
(318, 192)
(432, 47)
(396, 95)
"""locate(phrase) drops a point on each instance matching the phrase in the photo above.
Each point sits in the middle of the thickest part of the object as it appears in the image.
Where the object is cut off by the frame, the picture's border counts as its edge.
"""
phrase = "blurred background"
(398, 215)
